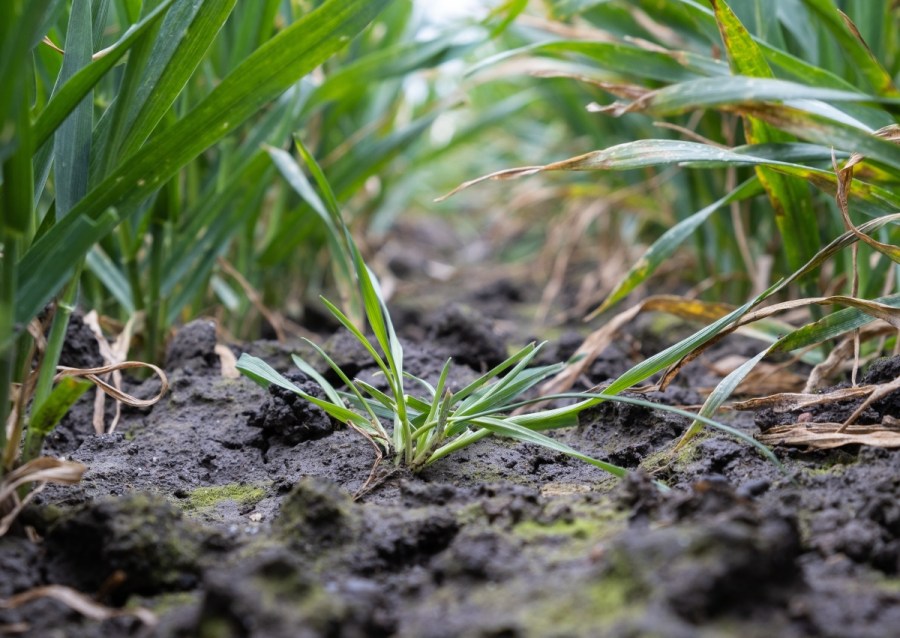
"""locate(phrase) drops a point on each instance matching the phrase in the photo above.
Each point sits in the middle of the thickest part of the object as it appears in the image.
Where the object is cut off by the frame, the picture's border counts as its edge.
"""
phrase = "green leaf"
(643, 153)
(184, 37)
(498, 390)
(592, 398)
(720, 394)
(509, 429)
(817, 332)
(663, 247)
(394, 61)
(791, 202)
(852, 45)
(79, 85)
(438, 393)
(739, 89)
(269, 71)
(341, 375)
(627, 60)
(826, 131)
(21, 27)
(265, 74)
(72, 143)
(42, 272)
(479, 383)
(111, 277)
(313, 374)
(830, 327)
(264, 375)
(51, 411)
(356, 332)
(294, 176)
(658, 362)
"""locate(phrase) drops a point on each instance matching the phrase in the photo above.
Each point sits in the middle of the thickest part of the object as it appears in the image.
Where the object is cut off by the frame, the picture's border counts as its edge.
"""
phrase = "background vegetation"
(145, 173)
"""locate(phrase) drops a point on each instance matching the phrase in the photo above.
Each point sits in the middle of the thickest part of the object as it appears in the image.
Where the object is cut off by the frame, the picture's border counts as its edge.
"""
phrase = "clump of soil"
(286, 416)
(228, 511)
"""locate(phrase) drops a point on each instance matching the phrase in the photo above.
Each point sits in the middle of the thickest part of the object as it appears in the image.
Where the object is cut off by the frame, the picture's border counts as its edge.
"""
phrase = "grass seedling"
(427, 421)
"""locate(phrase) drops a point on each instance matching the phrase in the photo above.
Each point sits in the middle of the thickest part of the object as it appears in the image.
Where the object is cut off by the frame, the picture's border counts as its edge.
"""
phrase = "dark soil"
(228, 511)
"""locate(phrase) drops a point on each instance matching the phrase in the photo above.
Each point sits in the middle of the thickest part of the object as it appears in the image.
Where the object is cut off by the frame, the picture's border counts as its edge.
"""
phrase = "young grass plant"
(427, 421)
(428, 424)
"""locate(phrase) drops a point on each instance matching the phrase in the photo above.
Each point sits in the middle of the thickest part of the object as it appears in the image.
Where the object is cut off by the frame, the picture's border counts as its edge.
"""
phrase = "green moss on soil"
(835, 464)
(570, 538)
(166, 602)
(585, 527)
(603, 602)
(670, 458)
(204, 498)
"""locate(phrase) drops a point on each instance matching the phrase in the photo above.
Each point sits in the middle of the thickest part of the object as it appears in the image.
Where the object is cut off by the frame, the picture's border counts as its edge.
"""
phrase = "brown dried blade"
(824, 436)
(77, 601)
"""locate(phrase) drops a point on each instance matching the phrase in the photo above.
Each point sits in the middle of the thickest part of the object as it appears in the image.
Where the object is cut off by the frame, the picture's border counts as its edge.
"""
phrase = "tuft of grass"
(428, 422)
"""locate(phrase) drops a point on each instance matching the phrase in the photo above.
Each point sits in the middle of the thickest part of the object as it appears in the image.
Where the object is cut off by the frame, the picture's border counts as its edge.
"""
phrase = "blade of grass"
(79, 85)
(626, 59)
(72, 141)
(668, 242)
(520, 433)
(790, 199)
(71, 158)
(50, 412)
(660, 152)
(342, 376)
(852, 45)
(592, 398)
(21, 27)
(738, 89)
(184, 36)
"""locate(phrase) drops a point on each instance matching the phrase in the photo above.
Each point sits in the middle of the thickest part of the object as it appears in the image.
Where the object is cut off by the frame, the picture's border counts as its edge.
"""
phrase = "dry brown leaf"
(630, 91)
(77, 601)
(94, 375)
(42, 470)
(112, 354)
(765, 378)
(879, 392)
(788, 401)
(830, 435)
(508, 173)
(842, 197)
(228, 361)
(841, 357)
(824, 436)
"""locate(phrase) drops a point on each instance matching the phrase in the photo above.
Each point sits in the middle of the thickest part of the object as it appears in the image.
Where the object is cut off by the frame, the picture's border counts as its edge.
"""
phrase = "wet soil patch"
(228, 511)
